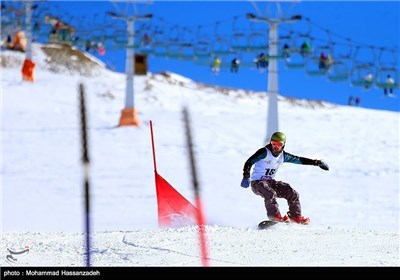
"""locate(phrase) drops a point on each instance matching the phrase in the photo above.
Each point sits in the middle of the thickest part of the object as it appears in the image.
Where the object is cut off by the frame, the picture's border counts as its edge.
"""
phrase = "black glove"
(322, 164)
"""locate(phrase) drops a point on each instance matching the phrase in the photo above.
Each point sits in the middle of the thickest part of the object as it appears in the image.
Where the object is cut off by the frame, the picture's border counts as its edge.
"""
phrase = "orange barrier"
(28, 70)
(129, 116)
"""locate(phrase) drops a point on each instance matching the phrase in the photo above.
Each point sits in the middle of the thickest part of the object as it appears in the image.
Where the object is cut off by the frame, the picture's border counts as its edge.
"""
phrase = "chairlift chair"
(338, 72)
(312, 67)
(358, 74)
(381, 76)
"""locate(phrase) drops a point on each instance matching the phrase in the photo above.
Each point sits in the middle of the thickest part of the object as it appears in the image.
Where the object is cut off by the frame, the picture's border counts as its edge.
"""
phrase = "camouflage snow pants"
(272, 189)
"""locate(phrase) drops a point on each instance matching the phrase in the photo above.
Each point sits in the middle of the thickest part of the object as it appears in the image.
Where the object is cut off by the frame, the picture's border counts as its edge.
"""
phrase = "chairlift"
(173, 50)
(221, 46)
(187, 46)
(304, 44)
(209, 60)
(108, 33)
(203, 60)
(285, 48)
(145, 46)
(239, 42)
(381, 78)
(313, 68)
(120, 38)
(202, 46)
(364, 57)
(295, 61)
(187, 52)
(297, 56)
(202, 49)
(257, 42)
(301, 43)
(338, 72)
(343, 51)
(387, 58)
(160, 49)
(158, 42)
(174, 34)
(359, 73)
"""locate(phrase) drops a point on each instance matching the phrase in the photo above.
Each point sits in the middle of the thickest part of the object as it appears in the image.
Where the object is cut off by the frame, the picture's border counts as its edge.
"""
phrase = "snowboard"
(267, 224)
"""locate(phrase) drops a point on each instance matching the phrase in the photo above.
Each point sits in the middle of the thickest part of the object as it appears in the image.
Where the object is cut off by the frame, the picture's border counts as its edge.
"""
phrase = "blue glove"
(245, 183)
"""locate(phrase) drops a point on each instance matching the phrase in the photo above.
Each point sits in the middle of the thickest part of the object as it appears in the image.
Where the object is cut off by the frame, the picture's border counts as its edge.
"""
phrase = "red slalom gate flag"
(173, 209)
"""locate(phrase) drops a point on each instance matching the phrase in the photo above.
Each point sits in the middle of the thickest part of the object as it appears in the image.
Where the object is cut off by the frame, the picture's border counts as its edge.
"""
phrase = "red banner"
(173, 209)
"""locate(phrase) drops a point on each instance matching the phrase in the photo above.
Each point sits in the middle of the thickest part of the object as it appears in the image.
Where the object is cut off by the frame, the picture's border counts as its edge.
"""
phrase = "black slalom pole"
(85, 163)
(196, 188)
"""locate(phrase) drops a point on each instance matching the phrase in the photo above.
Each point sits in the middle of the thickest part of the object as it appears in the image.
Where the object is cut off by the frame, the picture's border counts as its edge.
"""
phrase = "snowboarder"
(267, 161)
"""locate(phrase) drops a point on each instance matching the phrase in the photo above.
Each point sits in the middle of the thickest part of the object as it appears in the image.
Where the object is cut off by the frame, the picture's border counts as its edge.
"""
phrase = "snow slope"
(354, 208)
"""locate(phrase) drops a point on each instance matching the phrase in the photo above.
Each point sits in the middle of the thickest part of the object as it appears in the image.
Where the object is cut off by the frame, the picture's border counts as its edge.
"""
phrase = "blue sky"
(367, 23)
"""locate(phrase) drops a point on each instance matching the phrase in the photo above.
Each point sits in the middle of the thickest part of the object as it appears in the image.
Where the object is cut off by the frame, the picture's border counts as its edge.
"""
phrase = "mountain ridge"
(58, 58)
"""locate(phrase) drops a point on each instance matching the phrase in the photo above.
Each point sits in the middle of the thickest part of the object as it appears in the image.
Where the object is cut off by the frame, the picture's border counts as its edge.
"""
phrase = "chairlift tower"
(28, 24)
(129, 115)
(272, 86)
(28, 65)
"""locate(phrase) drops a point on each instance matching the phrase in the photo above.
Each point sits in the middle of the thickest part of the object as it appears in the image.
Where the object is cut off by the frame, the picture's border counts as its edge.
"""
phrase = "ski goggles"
(277, 143)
